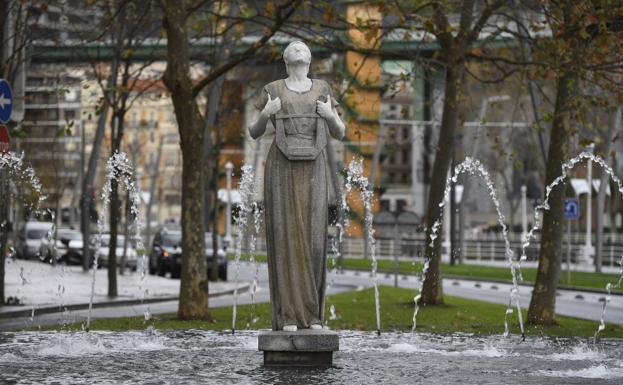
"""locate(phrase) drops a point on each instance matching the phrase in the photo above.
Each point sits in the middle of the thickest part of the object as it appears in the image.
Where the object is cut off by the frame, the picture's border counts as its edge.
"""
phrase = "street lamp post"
(229, 167)
(588, 246)
(524, 213)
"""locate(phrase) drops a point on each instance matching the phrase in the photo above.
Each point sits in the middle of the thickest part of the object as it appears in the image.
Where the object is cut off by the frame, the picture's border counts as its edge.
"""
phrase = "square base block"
(308, 348)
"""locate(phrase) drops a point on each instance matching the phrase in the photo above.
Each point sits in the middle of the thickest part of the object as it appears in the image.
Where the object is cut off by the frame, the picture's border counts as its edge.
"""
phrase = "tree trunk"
(614, 196)
(193, 290)
(89, 177)
(114, 207)
(601, 194)
(126, 233)
(543, 303)
(193, 301)
(216, 156)
(211, 176)
(432, 290)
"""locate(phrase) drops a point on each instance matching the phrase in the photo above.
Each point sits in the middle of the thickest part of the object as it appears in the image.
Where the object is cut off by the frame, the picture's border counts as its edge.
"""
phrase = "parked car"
(166, 254)
(102, 252)
(67, 247)
(29, 239)
(74, 253)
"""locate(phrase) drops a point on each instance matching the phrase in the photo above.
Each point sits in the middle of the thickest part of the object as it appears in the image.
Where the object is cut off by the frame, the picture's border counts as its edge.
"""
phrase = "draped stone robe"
(296, 195)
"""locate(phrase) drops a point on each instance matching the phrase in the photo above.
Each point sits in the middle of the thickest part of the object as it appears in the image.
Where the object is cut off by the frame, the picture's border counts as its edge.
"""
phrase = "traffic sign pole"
(569, 252)
(5, 139)
(571, 208)
(6, 109)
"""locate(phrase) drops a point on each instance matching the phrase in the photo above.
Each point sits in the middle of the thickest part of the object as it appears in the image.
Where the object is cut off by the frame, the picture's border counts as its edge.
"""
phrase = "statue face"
(297, 52)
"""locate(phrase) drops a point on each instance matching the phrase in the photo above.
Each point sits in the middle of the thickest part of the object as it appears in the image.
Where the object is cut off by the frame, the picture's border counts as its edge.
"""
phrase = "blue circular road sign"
(6, 101)
(571, 208)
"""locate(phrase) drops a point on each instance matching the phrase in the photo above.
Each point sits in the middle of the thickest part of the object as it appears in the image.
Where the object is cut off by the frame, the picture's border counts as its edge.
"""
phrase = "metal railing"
(485, 247)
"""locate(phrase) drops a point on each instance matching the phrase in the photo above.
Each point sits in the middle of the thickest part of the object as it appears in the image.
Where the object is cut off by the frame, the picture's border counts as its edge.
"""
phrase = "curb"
(83, 306)
(501, 281)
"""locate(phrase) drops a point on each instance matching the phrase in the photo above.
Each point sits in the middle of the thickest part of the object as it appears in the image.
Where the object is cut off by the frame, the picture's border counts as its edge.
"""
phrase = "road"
(569, 303)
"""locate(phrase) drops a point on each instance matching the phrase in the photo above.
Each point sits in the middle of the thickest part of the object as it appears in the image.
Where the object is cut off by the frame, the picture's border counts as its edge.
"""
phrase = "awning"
(580, 186)
(145, 196)
(597, 184)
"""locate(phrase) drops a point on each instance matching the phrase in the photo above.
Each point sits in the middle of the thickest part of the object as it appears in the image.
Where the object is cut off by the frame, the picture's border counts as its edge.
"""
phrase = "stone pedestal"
(311, 348)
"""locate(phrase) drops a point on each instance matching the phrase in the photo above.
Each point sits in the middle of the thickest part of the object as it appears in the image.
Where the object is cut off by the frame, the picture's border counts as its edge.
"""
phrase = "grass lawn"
(355, 312)
(579, 279)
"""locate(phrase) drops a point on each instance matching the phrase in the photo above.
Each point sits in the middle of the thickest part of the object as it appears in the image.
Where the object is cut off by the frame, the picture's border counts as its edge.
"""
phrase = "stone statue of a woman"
(303, 113)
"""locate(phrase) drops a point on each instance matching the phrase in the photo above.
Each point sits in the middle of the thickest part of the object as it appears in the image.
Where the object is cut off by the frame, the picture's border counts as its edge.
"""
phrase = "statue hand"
(272, 105)
(324, 109)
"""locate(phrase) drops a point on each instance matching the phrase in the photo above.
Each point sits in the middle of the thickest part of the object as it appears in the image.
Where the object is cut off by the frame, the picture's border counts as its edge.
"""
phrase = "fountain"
(566, 167)
(257, 222)
(21, 173)
(474, 167)
(247, 193)
(104, 356)
(119, 169)
(355, 178)
(200, 357)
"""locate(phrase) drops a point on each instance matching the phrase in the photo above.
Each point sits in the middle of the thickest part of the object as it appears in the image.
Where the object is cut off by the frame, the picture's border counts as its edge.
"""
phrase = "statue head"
(297, 53)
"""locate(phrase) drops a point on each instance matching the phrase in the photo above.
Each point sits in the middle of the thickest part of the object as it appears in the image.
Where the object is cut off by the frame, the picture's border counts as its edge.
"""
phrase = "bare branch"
(280, 19)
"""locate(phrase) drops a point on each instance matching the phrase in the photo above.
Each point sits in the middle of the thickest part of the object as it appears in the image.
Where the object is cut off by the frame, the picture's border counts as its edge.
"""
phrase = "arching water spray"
(257, 222)
(566, 167)
(356, 179)
(16, 168)
(119, 169)
(341, 223)
(20, 173)
(247, 193)
(474, 167)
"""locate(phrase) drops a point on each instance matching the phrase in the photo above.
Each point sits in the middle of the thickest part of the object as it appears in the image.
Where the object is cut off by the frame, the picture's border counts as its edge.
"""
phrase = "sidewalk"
(47, 288)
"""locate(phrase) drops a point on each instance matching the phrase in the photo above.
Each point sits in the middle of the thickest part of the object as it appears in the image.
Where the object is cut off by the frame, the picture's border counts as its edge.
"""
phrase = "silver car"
(29, 240)
(102, 252)
(67, 248)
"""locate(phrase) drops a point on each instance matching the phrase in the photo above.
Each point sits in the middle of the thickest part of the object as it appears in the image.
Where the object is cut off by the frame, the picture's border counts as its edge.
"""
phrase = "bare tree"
(126, 24)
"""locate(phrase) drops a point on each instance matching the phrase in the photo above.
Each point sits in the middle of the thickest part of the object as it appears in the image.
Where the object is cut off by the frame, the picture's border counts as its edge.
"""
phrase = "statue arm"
(258, 126)
(266, 106)
(327, 109)
(337, 128)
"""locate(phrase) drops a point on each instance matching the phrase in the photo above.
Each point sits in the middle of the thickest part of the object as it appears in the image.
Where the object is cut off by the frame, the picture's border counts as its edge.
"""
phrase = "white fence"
(482, 247)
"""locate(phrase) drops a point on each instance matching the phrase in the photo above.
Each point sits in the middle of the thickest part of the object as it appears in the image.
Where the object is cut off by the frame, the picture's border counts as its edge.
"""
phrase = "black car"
(166, 254)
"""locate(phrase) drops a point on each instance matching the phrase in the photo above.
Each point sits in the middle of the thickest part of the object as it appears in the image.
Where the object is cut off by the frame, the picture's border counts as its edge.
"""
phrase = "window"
(170, 160)
(172, 199)
(385, 204)
(172, 138)
(401, 204)
(405, 156)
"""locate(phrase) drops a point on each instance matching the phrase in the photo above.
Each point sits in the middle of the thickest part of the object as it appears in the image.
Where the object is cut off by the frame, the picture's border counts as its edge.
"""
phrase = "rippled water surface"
(204, 357)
